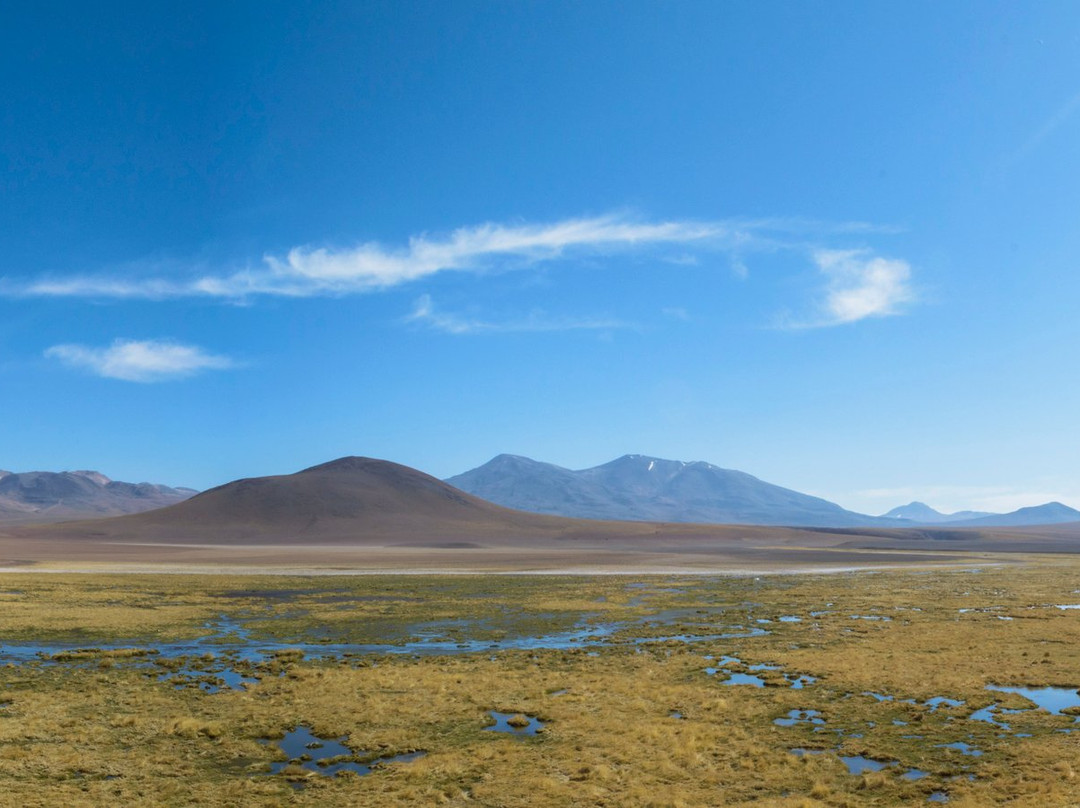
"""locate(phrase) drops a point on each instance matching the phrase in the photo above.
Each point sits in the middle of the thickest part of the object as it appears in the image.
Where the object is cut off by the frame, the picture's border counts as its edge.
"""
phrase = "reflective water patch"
(310, 754)
(1054, 700)
(514, 723)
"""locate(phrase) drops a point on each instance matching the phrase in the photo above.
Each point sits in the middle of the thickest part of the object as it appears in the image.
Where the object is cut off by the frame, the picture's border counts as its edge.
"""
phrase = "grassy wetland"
(790, 690)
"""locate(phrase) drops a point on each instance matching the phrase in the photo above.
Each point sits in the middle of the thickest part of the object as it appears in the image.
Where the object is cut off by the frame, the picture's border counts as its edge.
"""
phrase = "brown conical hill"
(352, 499)
(350, 488)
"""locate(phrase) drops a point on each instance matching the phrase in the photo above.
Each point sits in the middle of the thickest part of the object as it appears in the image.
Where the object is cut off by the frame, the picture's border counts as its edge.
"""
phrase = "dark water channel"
(226, 656)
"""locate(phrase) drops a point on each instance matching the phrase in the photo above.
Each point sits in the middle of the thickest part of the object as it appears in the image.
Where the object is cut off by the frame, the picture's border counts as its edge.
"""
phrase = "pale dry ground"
(640, 557)
(101, 729)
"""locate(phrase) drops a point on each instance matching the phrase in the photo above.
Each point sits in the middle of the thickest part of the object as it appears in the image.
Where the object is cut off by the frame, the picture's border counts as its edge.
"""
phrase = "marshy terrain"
(867, 688)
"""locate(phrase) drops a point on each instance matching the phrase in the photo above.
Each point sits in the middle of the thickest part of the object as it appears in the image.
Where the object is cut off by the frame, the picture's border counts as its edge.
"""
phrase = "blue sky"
(831, 244)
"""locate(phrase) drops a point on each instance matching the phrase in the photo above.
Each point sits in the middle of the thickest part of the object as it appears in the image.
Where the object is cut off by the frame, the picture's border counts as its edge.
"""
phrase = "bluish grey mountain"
(649, 489)
(925, 515)
(49, 496)
(529, 485)
(1052, 513)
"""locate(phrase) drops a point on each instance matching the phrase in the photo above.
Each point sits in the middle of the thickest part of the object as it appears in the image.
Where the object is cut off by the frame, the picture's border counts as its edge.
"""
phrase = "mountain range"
(922, 513)
(354, 501)
(632, 488)
(358, 512)
(650, 489)
(1050, 513)
(49, 496)
(642, 488)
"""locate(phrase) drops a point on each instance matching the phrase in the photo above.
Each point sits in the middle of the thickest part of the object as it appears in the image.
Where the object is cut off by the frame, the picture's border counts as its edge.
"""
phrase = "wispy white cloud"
(306, 272)
(425, 312)
(801, 225)
(676, 313)
(858, 285)
(682, 260)
(140, 360)
(863, 285)
(1048, 127)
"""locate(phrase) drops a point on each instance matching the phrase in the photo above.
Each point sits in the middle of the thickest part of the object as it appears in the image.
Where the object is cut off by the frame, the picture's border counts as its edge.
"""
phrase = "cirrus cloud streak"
(307, 272)
(424, 312)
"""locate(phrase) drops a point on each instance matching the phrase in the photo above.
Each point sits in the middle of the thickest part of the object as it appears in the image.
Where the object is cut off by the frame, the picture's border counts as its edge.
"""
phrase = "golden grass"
(75, 733)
